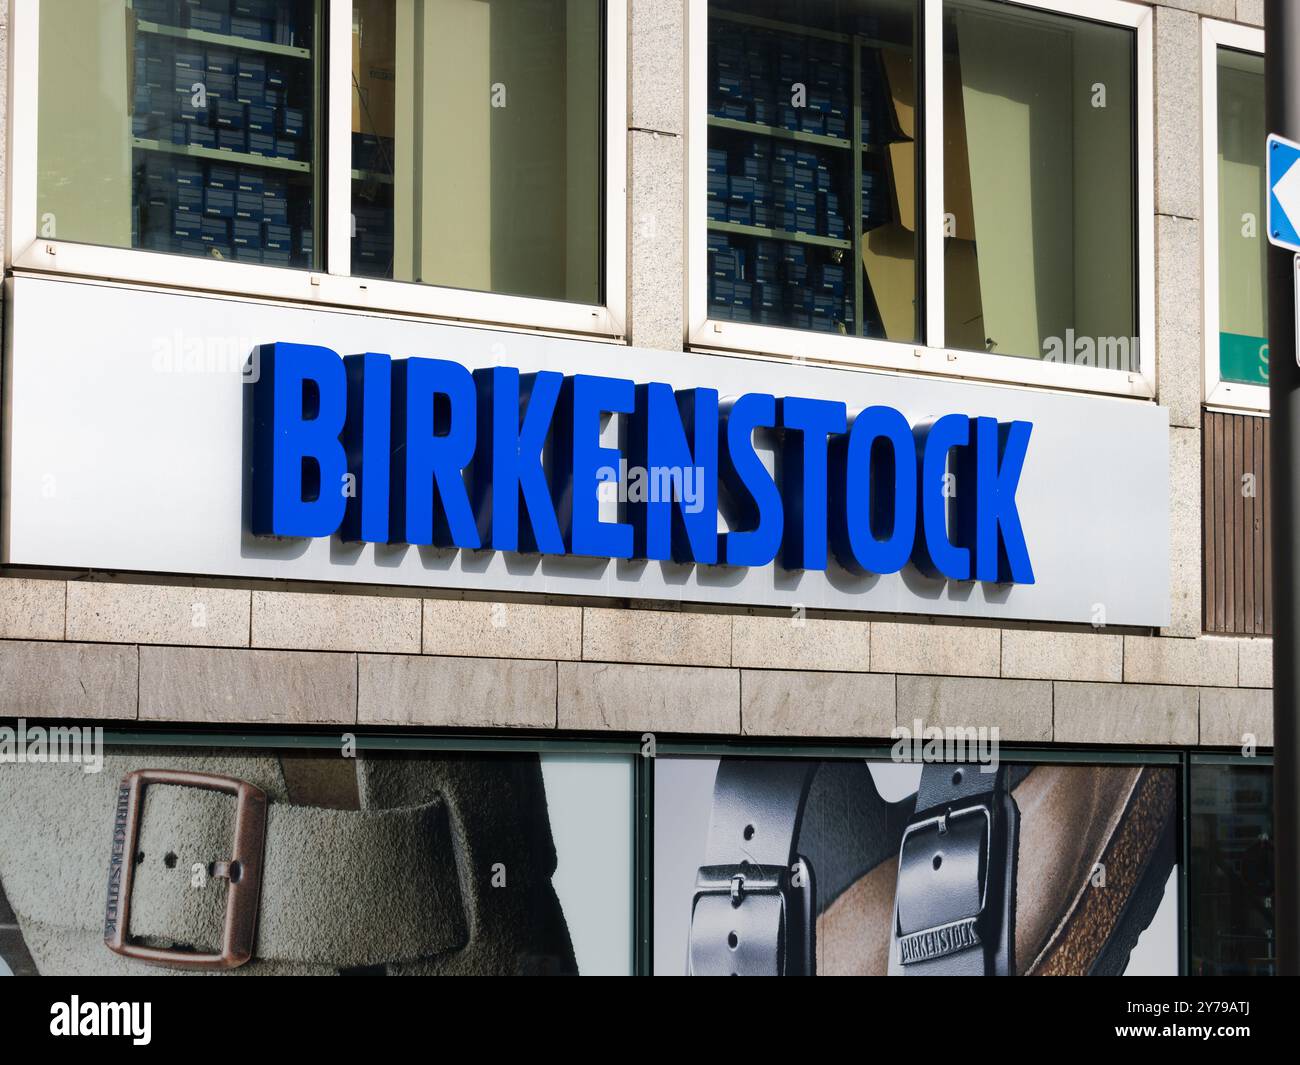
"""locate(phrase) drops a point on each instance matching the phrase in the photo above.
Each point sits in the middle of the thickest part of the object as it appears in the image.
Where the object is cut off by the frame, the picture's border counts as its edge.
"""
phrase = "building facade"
(733, 407)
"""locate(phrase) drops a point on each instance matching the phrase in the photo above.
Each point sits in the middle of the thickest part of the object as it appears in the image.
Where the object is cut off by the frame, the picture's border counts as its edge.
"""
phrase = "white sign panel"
(129, 447)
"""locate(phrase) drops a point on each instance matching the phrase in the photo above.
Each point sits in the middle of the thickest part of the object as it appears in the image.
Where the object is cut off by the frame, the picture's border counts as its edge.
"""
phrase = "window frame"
(930, 355)
(1227, 395)
(334, 285)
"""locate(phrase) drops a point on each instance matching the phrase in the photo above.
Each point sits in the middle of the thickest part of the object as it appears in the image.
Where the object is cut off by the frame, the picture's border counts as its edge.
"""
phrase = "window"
(1230, 889)
(476, 145)
(811, 169)
(1038, 186)
(971, 176)
(181, 128)
(1236, 291)
(443, 157)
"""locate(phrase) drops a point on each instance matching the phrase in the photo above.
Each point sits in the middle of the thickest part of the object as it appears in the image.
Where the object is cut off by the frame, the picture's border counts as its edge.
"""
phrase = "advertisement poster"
(378, 864)
(1087, 882)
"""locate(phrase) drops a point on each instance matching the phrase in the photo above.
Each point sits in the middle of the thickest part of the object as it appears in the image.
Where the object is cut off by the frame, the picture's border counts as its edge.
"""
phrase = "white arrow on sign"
(1287, 191)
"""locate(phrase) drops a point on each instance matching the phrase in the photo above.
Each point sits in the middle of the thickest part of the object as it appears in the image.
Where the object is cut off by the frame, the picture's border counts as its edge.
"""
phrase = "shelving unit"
(224, 160)
(220, 155)
(740, 229)
(759, 130)
(224, 40)
(853, 151)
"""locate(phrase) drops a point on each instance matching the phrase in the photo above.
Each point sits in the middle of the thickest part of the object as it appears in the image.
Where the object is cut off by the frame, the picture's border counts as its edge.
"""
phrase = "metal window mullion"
(24, 78)
(337, 183)
(931, 218)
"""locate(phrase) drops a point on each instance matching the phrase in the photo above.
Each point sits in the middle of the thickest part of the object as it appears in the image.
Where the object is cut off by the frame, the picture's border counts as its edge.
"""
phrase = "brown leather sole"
(1067, 920)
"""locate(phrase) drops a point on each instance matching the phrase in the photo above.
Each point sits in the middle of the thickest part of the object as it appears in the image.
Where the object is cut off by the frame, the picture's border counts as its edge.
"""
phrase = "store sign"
(425, 451)
(197, 434)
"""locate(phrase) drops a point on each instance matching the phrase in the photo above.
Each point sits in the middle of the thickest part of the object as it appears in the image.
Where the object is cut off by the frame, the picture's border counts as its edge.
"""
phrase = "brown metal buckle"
(243, 870)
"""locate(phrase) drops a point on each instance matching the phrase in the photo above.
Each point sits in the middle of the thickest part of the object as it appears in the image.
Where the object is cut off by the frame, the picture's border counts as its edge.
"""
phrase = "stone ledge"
(794, 642)
(247, 686)
(455, 692)
(32, 608)
(1125, 713)
(628, 698)
(74, 680)
(310, 621)
(663, 637)
(467, 628)
(108, 612)
(783, 703)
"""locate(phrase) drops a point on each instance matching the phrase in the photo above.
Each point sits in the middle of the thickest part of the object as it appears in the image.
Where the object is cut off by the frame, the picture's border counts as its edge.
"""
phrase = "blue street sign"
(1283, 178)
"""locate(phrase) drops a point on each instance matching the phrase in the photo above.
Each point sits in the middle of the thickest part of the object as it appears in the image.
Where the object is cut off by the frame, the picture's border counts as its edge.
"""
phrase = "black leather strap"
(785, 839)
(954, 906)
(754, 906)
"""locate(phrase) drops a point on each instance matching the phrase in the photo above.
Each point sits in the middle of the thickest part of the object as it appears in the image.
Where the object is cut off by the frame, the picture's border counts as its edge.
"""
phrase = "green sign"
(1243, 359)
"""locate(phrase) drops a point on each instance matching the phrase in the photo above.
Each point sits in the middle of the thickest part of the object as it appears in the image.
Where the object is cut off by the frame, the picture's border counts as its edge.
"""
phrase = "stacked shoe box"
(218, 97)
(269, 21)
(220, 210)
(773, 282)
(224, 98)
(752, 181)
(372, 239)
(777, 79)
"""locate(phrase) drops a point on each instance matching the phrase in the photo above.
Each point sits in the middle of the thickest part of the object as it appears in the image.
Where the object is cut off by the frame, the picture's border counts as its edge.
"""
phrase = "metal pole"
(1282, 80)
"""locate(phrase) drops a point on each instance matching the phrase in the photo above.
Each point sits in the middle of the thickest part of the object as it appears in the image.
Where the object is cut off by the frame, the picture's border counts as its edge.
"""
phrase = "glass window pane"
(181, 127)
(1230, 870)
(477, 145)
(1243, 307)
(1039, 186)
(812, 165)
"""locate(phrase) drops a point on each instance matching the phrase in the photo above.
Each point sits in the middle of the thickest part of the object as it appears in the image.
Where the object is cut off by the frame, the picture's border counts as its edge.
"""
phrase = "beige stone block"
(156, 613)
(1125, 713)
(664, 637)
(31, 609)
(1255, 663)
(1185, 532)
(242, 686)
(74, 680)
(1021, 710)
(629, 698)
(472, 629)
(776, 702)
(949, 650)
(1207, 661)
(1233, 717)
(792, 641)
(455, 692)
(327, 622)
(1043, 655)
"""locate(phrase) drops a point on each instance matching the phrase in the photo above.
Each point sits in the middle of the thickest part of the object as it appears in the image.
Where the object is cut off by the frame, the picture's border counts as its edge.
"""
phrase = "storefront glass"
(812, 166)
(1039, 186)
(1231, 870)
(476, 145)
(1243, 307)
(187, 128)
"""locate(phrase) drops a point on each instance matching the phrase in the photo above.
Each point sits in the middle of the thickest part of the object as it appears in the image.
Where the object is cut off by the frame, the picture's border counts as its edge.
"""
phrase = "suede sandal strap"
(338, 888)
